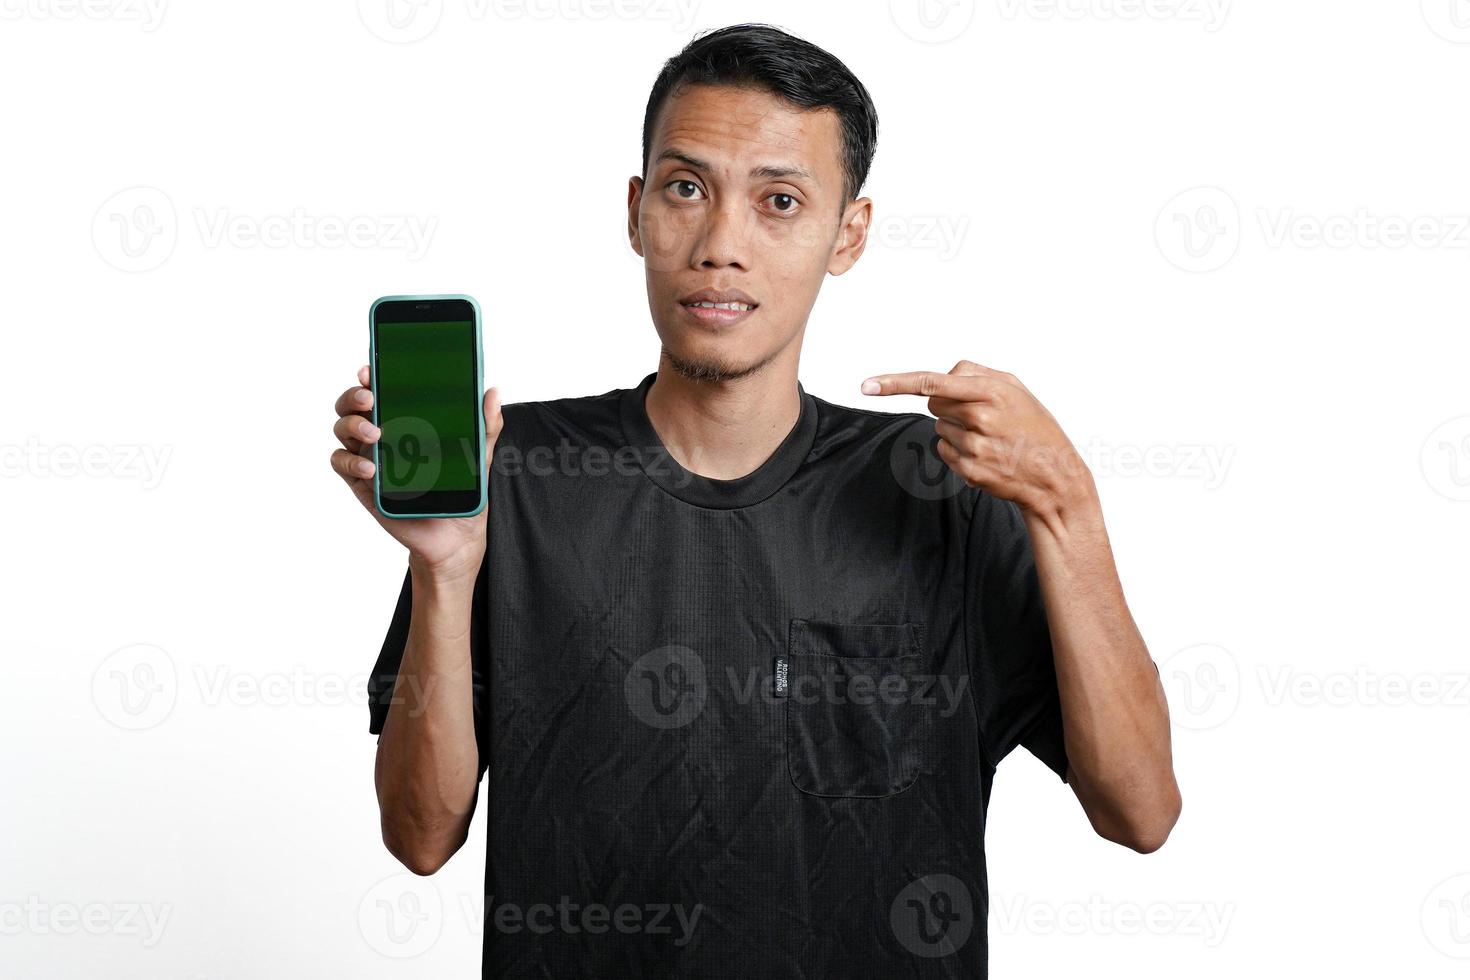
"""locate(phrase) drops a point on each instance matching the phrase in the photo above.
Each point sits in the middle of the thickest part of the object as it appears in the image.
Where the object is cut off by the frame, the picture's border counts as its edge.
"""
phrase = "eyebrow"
(767, 171)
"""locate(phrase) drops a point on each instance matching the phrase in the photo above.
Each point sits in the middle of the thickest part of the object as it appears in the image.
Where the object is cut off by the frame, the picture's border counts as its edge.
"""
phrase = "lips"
(729, 300)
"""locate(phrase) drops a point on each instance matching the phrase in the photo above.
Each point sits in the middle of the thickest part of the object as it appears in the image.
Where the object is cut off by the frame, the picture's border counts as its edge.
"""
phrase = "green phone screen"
(427, 407)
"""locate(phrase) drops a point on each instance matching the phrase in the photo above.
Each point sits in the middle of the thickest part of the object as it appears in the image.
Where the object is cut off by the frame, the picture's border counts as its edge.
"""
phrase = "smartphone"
(428, 395)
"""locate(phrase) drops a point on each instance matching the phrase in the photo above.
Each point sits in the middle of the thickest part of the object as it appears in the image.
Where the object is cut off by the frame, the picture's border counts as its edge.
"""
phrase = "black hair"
(766, 57)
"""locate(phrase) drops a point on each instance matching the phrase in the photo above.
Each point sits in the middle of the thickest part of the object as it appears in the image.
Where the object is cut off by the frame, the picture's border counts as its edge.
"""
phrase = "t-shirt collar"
(702, 491)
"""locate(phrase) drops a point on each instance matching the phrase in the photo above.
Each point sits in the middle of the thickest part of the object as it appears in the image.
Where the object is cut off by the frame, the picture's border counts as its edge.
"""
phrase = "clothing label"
(781, 674)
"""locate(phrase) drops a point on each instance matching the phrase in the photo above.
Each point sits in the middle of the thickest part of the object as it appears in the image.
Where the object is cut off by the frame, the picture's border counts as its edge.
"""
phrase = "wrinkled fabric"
(764, 712)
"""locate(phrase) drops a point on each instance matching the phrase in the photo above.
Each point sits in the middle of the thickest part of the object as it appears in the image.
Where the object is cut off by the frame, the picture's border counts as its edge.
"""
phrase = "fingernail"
(370, 430)
(871, 387)
(362, 396)
(363, 467)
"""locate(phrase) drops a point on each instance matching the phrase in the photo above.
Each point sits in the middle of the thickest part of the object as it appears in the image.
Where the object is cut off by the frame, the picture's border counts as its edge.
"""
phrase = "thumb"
(493, 420)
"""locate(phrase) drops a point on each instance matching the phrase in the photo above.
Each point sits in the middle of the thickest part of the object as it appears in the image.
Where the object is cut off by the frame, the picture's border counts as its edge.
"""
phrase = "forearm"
(1114, 714)
(428, 763)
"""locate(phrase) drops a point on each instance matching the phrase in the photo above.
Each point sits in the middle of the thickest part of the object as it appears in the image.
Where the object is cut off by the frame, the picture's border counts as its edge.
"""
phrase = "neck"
(724, 430)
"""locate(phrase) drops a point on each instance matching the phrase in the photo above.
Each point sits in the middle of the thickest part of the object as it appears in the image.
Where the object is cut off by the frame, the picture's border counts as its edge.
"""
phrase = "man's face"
(744, 198)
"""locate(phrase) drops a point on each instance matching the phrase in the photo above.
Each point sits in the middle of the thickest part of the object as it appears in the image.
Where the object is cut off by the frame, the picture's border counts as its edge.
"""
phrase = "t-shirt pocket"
(855, 724)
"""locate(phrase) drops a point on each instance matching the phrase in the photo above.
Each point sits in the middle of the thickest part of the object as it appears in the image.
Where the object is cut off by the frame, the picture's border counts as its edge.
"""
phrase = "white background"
(1225, 243)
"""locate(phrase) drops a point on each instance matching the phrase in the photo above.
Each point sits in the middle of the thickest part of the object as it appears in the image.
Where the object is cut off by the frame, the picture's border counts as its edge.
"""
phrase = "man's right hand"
(446, 547)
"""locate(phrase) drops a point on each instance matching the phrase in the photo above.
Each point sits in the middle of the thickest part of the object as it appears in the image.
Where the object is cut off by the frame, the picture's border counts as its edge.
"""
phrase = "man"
(740, 663)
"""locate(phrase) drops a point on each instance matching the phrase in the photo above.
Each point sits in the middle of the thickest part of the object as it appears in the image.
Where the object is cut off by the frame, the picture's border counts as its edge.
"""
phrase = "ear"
(635, 198)
(852, 236)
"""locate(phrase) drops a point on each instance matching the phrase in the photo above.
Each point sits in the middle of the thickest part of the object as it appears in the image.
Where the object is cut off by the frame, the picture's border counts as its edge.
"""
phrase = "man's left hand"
(995, 435)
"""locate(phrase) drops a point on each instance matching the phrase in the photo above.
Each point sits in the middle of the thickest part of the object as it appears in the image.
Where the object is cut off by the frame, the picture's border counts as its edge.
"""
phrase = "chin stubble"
(712, 371)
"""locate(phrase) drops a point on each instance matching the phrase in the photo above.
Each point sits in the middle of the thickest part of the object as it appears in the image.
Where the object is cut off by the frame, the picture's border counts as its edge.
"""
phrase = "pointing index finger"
(931, 384)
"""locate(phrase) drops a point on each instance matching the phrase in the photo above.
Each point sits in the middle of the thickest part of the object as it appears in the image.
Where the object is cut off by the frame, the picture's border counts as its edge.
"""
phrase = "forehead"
(735, 128)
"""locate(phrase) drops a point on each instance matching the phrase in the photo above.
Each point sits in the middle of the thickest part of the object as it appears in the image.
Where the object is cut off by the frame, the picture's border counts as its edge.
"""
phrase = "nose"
(726, 238)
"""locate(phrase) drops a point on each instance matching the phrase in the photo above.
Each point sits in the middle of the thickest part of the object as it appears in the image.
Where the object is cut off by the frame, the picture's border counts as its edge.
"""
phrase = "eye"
(680, 186)
(785, 203)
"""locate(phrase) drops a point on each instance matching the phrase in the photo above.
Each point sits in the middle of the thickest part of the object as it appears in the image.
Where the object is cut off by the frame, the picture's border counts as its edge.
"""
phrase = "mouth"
(718, 307)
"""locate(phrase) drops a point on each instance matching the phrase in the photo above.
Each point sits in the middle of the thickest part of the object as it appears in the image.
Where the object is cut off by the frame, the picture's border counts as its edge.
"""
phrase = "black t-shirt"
(743, 728)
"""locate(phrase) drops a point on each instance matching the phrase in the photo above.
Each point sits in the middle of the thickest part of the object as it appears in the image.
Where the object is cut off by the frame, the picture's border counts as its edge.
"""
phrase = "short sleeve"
(1008, 639)
(384, 677)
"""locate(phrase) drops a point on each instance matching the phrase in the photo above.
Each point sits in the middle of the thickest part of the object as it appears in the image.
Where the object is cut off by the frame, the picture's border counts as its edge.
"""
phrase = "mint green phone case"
(479, 408)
